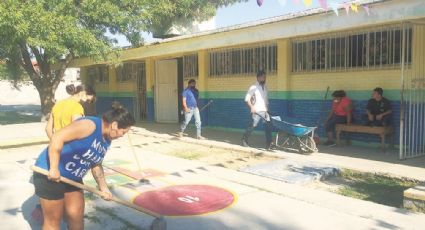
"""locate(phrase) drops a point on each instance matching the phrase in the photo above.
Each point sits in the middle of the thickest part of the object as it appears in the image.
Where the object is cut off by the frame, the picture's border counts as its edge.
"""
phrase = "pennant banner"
(308, 3)
(325, 5)
(260, 2)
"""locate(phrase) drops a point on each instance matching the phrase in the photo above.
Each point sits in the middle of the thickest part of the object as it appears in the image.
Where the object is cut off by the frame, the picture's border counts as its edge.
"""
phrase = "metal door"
(166, 98)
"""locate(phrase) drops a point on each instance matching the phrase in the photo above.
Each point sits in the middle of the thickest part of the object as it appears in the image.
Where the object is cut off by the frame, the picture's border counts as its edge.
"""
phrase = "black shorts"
(51, 190)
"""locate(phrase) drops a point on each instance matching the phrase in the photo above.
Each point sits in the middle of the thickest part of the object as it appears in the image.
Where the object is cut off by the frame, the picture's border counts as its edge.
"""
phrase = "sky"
(244, 12)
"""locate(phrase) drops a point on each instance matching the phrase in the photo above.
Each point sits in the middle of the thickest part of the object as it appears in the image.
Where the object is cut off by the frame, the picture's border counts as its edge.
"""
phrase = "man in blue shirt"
(190, 107)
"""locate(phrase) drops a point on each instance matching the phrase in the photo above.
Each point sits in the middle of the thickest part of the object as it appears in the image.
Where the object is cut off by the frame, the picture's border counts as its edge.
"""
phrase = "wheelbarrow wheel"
(307, 145)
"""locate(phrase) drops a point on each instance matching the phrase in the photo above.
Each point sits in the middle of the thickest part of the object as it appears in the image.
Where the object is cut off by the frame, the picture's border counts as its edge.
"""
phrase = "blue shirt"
(78, 156)
(191, 97)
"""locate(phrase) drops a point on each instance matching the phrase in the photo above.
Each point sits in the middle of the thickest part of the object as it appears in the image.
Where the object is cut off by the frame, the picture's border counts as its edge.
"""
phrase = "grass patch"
(376, 188)
(10, 117)
(188, 155)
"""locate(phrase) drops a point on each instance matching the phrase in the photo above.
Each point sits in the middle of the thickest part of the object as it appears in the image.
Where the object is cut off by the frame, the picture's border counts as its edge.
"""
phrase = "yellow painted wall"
(284, 79)
(418, 68)
(352, 80)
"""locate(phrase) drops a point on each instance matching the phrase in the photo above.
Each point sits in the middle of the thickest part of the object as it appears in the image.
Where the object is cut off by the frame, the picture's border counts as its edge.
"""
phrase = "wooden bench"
(382, 131)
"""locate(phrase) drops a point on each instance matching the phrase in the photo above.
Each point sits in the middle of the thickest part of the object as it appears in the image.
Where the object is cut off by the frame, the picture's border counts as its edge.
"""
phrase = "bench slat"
(364, 129)
(381, 131)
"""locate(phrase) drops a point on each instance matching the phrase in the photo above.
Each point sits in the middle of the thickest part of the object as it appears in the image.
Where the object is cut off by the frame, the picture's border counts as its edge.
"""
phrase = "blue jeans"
(335, 119)
(188, 117)
(256, 117)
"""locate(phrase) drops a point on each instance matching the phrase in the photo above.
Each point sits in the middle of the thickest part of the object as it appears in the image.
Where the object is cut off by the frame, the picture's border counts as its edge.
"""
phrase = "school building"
(303, 54)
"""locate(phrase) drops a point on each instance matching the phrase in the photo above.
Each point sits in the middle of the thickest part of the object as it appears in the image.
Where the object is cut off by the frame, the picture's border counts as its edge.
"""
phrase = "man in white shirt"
(258, 102)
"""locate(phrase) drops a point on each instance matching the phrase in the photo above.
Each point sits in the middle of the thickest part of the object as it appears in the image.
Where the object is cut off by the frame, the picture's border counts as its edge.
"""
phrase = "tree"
(54, 32)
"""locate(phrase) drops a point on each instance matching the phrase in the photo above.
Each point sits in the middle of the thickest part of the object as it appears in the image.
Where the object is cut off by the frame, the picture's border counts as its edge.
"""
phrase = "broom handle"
(206, 105)
(134, 152)
(97, 192)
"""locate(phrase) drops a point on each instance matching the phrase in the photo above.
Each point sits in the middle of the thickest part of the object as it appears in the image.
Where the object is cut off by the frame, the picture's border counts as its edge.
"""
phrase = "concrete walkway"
(364, 159)
(259, 202)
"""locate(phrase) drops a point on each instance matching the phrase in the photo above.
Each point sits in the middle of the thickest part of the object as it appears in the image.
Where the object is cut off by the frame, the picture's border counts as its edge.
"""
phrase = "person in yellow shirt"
(68, 110)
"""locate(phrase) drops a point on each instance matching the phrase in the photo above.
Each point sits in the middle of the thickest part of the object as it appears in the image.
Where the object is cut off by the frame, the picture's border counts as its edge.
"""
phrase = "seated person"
(378, 109)
(341, 113)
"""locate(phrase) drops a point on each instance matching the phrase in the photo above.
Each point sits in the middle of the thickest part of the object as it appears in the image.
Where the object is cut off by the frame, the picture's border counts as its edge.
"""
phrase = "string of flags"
(324, 4)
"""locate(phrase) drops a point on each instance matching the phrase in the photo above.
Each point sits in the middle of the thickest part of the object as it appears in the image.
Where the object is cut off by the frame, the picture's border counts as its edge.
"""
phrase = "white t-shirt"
(258, 96)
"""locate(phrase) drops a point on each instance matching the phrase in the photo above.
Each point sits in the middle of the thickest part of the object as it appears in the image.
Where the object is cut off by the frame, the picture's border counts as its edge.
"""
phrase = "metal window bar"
(373, 48)
(243, 60)
(190, 66)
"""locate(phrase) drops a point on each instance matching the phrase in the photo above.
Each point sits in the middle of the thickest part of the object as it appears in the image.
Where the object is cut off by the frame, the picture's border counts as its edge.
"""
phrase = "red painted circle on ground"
(183, 200)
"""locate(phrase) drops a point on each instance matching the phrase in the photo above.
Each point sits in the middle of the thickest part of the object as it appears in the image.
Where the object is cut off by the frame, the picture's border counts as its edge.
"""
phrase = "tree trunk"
(43, 78)
(46, 91)
(47, 100)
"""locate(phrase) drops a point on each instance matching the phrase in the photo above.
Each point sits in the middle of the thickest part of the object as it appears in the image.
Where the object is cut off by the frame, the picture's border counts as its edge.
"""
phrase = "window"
(357, 50)
(385, 47)
(243, 60)
(98, 73)
(124, 72)
(371, 49)
(336, 53)
(190, 66)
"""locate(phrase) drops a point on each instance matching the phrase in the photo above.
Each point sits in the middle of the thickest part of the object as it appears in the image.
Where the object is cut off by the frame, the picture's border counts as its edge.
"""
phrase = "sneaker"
(201, 138)
(180, 134)
(270, 147)
(245, 142)
(330, 143)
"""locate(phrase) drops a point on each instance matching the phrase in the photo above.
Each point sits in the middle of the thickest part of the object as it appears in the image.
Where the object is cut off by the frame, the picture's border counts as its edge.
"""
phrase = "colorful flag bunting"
(323, 4)
(354, 7)
(366, 8)
(308, 3)
(260, 2)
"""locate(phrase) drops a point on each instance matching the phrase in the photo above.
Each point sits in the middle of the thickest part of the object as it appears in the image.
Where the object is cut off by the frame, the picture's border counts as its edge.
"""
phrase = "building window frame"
(243, 61)
(375, 48)
(100, 73)
(190, 66)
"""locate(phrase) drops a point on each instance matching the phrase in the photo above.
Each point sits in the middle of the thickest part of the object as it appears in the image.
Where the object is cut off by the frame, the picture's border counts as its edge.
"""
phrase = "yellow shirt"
(63, 111)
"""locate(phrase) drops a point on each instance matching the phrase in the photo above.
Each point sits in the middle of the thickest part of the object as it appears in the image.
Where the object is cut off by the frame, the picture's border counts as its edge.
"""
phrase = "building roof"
(294, 25)
(286, 17)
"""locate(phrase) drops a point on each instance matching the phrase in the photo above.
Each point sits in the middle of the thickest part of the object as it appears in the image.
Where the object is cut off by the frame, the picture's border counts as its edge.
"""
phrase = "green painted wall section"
(115, 94)
(391, 94)
(302, 95)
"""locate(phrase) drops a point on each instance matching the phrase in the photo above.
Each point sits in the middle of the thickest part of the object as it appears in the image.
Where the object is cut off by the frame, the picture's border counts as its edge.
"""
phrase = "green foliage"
(3, 72)
(377, 188)
(57, 31)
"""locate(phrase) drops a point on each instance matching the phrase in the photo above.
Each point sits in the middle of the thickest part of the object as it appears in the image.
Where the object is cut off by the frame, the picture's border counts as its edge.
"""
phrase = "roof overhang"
(310, 22)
